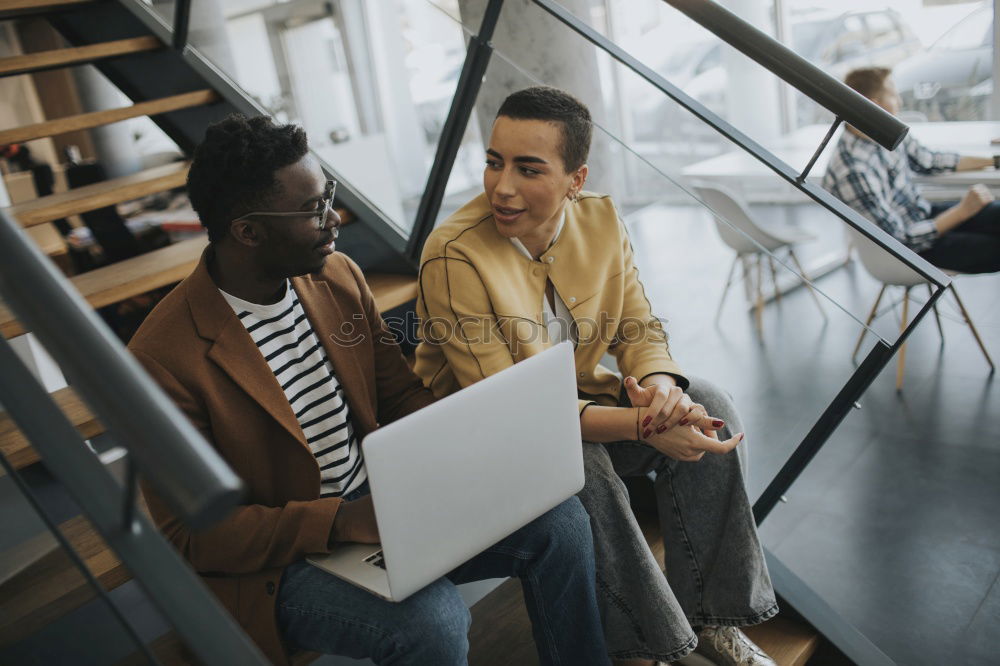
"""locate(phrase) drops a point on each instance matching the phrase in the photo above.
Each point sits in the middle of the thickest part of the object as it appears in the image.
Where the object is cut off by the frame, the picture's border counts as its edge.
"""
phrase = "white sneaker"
(728, 646)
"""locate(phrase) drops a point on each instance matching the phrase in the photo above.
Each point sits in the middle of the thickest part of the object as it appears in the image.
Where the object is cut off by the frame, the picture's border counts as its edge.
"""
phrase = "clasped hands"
(675, 425)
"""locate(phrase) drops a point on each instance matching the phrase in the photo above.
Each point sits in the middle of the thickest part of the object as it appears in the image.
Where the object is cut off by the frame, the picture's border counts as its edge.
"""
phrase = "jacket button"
(581, 374)
(551, 259)
(270, 587)
(572, 299)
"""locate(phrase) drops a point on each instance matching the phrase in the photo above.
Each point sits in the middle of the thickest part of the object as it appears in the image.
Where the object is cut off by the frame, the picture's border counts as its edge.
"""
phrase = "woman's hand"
(663, 406)
(689, 444)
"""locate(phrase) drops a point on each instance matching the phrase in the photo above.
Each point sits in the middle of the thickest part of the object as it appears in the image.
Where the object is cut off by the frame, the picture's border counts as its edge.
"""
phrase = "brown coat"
(201, 355)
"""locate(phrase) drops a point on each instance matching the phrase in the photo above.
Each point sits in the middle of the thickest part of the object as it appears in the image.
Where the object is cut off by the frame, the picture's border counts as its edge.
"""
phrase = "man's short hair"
(232, 173)
(557, 106)
(869, 81)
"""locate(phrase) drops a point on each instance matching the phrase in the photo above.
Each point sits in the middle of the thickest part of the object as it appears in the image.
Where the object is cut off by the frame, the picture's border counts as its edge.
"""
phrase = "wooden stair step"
(42, 60)
(787, 642)
(116, 282)
(98, 195)
(99, 118)
(12, 8)
(501, 630)
(15, 446)
(48, 239)
(388, 290)
(51, 586)
(391, 290)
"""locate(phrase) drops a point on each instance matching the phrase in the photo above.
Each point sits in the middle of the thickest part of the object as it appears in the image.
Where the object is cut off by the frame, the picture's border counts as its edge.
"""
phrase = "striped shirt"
(878, 183)
(286, 340)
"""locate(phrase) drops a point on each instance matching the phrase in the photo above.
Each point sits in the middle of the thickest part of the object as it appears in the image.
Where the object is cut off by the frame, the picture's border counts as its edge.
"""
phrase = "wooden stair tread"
(501, 630)
(391, 290)
(173, 263)
(787, 642)
(98, 118)
(48, 239)
(16, 448)
(41, 60)
(125, 279)
(52, 586)
(98, 195)
(11, 8)
(16, 5)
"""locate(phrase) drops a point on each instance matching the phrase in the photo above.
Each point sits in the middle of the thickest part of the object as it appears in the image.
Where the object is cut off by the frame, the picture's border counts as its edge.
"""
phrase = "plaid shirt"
(878, 183)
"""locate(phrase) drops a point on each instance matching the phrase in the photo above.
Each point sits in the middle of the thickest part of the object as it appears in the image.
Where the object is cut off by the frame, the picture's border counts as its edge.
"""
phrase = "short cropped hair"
(557, 106)
(869, 81)
(233, 169)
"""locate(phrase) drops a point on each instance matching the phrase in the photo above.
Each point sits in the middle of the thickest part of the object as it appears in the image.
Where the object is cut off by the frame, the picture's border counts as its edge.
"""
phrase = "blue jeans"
(715, 570)
(552, 555)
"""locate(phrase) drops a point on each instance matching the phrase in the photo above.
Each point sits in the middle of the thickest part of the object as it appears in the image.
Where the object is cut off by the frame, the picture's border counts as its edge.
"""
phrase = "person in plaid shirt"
(878, 183)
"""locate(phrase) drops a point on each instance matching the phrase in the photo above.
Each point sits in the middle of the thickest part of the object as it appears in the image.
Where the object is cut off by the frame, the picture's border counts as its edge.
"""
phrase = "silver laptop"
(454, 478)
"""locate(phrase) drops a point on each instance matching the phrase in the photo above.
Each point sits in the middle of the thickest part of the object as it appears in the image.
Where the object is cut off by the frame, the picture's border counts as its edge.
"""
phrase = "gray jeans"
(715, 570)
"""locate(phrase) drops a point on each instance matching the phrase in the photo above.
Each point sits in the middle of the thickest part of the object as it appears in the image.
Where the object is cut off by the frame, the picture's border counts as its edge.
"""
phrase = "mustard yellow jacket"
(480, 302)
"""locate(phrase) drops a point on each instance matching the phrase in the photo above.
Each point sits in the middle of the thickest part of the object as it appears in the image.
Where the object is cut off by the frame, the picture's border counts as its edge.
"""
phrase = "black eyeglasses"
(321, 215)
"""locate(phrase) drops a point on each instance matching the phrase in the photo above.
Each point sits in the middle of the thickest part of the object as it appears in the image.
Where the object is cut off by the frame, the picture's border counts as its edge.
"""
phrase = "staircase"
(38, 583)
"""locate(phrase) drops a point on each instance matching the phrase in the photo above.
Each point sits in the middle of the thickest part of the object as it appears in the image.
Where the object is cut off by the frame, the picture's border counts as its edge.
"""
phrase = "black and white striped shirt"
(286, 339)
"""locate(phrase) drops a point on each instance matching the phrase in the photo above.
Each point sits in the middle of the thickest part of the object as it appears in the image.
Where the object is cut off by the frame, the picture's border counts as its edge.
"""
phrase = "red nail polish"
(661, 428)
(645, 433)
(684, 421)
(645, 421)
(742, 435)
(718, 423)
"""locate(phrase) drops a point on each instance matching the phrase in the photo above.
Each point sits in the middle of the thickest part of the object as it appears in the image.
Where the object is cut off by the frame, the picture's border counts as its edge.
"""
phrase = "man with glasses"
(249, 347)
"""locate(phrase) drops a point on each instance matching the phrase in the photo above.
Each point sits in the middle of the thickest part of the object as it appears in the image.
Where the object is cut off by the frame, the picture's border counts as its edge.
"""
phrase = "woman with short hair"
(536, 260)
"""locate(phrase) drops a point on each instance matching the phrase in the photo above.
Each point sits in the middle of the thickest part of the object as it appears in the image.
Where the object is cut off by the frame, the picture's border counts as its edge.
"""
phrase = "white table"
(742, 172)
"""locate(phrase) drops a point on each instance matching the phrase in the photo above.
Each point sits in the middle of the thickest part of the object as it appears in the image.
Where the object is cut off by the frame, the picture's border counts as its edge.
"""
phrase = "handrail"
(185, 470)
(844, 102)
(161, 443)
(477, 58)
(874, 233)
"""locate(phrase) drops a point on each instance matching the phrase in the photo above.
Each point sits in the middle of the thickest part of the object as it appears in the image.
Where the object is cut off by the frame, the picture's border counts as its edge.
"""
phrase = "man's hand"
(663, 407)
(975, 199)
(355, 522)
(689, 444)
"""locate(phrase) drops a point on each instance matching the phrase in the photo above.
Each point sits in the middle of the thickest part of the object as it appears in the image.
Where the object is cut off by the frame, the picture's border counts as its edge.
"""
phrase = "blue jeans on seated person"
(715, 570)
(552, 555)
(971, 247)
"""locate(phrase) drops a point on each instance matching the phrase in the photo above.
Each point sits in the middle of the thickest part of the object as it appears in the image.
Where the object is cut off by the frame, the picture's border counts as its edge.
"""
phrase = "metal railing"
(161, 444)
(188, 472)
(848, 106)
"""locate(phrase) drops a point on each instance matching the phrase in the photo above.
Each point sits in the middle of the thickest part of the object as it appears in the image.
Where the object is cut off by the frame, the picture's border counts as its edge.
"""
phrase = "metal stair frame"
(376, 244)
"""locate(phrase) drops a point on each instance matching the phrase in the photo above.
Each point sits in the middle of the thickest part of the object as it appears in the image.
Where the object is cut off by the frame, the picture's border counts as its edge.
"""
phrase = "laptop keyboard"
(376, 560)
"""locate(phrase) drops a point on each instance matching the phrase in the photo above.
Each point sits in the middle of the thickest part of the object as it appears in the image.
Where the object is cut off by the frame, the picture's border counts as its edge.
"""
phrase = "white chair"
(752, 243)
(892, 273)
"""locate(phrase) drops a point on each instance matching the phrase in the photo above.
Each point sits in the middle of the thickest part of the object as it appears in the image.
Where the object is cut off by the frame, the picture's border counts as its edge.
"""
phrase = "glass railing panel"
(783, 368)
(371, 83)
(875, 513)
(51, 614)
(893, 521)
